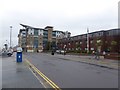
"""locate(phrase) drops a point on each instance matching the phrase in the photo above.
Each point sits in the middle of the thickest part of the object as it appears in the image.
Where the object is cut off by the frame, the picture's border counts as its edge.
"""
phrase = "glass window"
(35, 32)
(91, 41)
(92, 48)
(80, 42)
(35, 42)
(76, 42)
(53, 34)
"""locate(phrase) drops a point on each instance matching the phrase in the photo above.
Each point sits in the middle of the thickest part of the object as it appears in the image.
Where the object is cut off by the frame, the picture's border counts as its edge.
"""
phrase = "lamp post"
(87, 40)
(10, 35)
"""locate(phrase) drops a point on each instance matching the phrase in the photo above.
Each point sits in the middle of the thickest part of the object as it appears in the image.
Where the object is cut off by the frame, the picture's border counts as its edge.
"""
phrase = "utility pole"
(10, 35)
(87, 40)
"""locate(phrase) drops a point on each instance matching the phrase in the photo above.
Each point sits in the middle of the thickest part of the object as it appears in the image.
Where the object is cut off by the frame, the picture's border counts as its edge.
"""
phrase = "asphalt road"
(71, 74)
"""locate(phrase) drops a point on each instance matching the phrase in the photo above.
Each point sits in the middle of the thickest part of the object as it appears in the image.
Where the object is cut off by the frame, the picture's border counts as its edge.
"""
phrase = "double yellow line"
(51, 83)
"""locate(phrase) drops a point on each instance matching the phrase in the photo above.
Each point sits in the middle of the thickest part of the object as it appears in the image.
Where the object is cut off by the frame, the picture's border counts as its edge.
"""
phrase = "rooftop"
(27, 26)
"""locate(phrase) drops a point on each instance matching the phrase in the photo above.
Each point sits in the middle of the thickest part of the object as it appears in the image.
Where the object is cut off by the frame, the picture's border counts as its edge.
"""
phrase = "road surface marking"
(37, 78)
(51, 83)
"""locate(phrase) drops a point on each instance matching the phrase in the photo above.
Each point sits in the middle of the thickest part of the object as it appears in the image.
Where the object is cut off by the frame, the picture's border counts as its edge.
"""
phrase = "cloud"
(71, 15)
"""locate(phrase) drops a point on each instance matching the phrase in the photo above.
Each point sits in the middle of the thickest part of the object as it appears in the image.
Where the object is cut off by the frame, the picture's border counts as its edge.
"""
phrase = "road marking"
(37, 78)
(50, 82)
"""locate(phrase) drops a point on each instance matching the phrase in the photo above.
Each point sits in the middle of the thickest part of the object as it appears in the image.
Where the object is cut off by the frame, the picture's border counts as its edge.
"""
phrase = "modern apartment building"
(104, 40)
(37, 39)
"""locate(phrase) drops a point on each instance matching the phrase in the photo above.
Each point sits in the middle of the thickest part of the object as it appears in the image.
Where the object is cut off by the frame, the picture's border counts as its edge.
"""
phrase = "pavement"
(106, 63)
(17, 75)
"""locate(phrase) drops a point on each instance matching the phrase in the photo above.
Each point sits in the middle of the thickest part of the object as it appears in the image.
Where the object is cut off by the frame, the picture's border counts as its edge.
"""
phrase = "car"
(5, 52)
(63, 52)
(10, 52)
(58, 51)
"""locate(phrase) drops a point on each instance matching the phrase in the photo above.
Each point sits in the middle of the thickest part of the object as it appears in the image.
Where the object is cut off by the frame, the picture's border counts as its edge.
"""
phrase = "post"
(87, 40)
(64, 49)
(10, 35)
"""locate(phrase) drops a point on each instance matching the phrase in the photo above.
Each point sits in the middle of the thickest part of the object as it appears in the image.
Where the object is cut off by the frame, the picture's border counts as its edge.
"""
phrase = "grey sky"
(67, 15)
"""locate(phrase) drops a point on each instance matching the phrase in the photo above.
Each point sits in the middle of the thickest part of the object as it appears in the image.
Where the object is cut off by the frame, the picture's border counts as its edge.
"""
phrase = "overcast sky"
(66, 15)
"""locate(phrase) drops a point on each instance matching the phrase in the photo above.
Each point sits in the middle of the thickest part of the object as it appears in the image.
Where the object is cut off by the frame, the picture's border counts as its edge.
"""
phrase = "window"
(85, 48)
(79, 37)
(54, 34)
(80, 42)
(45, 34)
(91, 41)
(84, 36)
(113, 32)
(35, 32)
(30, 42)
(80, 49)
(92, 48)
(106, 41)
(35, 42)
(76, 43)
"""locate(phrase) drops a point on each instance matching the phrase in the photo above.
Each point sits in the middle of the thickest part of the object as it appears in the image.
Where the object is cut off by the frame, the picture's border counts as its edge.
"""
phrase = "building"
(33, 39)
(104, 40)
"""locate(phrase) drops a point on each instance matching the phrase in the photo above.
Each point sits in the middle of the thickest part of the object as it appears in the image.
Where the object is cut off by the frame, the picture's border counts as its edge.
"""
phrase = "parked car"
(7, 52)
(61, 51)
(10, 52)
(58, 51)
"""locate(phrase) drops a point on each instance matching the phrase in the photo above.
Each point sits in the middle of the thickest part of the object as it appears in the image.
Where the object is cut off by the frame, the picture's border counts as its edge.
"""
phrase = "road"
(72, 74)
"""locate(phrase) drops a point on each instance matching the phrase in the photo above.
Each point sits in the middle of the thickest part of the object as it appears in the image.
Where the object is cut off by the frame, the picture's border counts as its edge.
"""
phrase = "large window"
(35, 42)
(54, 34)
(35, 32)
(45, 38)
(113, 32)
(45, 34)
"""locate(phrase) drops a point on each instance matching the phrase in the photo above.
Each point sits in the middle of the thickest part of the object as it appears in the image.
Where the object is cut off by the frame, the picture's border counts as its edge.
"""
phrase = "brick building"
(37, 39)
(104, 40)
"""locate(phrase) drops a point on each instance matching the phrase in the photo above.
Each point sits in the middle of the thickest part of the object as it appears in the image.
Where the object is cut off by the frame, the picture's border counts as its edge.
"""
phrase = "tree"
(99, 43)
(113, 43)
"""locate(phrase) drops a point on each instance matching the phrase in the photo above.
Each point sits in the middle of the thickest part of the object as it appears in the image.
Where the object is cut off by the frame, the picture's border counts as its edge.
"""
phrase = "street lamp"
(10, 35)
(87, 40)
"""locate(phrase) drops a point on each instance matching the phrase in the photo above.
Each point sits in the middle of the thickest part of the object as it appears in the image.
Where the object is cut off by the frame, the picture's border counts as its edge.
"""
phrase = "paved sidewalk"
(17, 75)
(107, 63)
